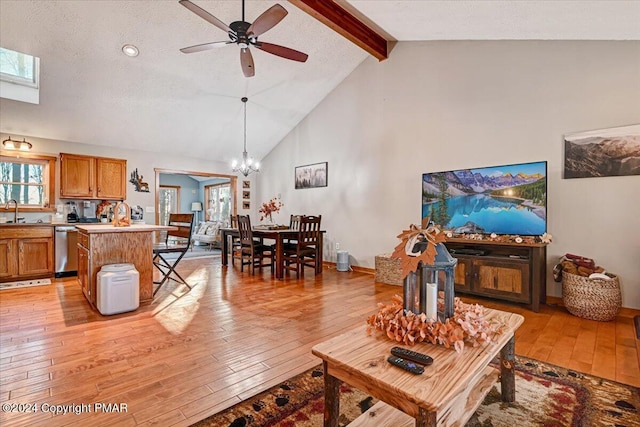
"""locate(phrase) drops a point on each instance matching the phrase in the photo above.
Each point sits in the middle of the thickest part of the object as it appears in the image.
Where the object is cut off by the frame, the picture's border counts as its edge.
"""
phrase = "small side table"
(449, 390)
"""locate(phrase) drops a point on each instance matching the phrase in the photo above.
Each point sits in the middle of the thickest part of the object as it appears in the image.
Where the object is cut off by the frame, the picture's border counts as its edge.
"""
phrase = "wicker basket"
(388, 270)
(594, 299)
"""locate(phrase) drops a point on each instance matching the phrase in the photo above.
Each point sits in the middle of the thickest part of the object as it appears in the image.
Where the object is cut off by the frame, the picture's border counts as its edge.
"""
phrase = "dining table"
(279, 234)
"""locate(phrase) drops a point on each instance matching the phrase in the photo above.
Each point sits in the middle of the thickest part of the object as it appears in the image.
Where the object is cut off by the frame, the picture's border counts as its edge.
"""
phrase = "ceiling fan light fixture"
(247, 166)
(245, 35)
(130, 50)
(23, 145)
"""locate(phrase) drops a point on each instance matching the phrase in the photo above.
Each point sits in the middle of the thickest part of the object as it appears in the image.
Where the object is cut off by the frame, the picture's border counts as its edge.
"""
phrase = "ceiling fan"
(245, 35)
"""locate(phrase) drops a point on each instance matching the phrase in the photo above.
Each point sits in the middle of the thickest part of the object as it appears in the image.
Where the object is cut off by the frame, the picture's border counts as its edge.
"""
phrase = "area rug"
(546, 395)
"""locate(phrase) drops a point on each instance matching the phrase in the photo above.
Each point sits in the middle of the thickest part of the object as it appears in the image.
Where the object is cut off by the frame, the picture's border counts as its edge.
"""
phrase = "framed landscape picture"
(604, 152)
(311, 176)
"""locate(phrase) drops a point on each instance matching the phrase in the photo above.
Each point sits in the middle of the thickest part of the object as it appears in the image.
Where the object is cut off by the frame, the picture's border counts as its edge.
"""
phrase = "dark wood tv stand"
(509, 271)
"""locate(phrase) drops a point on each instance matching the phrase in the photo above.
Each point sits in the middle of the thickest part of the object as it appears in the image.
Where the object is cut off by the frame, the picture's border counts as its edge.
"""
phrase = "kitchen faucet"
(15, 212)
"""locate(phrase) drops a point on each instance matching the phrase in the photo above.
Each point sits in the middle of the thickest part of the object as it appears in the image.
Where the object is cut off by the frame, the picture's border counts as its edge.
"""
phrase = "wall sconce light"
(23, 145)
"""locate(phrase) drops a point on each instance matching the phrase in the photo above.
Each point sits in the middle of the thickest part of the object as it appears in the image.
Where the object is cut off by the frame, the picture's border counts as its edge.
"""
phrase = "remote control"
(406, 365)
(414, 356)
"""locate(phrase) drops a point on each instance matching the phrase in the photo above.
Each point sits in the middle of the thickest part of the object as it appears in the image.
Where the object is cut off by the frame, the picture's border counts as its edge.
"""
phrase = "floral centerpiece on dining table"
(269, 208)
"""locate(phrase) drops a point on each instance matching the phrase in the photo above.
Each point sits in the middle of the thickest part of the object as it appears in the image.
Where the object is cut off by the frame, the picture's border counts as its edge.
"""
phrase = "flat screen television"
(508, 199)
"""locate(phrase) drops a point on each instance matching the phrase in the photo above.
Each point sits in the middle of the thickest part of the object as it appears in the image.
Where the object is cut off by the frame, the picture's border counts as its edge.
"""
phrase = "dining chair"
(305, 252)
(235, 240)
(294, 223)
(252, 252)
(176, 242)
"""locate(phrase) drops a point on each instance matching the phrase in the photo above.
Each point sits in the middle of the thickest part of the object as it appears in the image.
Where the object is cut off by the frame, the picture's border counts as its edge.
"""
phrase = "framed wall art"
(604, 152)
(311, 176)
(246, 205)
(246, 184)
(246, 194)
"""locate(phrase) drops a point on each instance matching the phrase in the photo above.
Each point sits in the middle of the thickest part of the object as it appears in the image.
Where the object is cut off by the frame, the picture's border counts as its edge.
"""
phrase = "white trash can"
(342, 263)
(118, 289)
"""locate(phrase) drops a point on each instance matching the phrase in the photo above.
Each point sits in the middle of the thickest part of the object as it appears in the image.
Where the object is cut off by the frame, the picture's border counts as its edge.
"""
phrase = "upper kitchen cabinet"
(85, 177)
(111, 179)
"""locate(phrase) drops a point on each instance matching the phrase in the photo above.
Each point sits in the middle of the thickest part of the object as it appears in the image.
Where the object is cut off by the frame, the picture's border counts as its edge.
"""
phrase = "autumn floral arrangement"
(269, 208)
(468, 324)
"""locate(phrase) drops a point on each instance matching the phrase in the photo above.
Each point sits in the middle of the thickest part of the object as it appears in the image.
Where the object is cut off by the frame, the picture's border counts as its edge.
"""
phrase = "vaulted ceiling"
(164, 100)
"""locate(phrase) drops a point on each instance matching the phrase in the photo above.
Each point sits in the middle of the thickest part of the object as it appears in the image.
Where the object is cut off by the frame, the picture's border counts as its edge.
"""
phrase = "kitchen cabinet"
(89, 177)
(8, 262)
(26, 252)
(506, 271)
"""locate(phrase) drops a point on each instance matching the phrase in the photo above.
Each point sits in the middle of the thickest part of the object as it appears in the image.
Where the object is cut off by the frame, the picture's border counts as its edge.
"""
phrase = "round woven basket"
(594, 299)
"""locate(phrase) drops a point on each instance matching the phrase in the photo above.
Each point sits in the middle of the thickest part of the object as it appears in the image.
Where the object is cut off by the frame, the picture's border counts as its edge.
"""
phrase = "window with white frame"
(218, 201)
(29, 180)
(19, 76)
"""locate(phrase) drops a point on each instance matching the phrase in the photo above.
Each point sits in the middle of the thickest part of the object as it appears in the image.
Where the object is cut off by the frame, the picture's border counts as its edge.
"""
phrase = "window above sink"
(29, 179)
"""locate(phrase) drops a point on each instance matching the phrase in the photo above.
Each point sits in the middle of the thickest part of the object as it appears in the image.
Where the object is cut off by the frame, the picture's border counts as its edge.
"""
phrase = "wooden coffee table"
(447, 393)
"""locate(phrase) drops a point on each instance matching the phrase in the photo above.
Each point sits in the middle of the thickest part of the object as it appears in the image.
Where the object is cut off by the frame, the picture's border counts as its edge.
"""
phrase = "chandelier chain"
(247, 166)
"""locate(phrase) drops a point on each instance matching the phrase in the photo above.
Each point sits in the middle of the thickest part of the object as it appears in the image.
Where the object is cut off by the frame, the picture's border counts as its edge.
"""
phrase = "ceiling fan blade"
(205, 15)
(204, 46)
(282, 51)
(267, 20)
(246, 61)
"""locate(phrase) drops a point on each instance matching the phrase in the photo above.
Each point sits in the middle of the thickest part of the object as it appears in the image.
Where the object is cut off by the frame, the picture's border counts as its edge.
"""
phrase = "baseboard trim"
(624, 311)
(357, 268)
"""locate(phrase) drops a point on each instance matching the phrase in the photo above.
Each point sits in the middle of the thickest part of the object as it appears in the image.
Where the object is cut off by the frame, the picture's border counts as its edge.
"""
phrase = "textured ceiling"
(504, 20)
(163, 99)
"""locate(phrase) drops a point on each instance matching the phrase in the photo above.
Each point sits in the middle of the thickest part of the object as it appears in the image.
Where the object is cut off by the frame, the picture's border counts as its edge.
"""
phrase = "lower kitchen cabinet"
(84, 268)
(26, 252)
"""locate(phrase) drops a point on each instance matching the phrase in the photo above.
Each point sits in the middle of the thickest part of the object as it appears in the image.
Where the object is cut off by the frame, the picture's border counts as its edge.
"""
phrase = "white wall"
(144, 161)
(437, 106)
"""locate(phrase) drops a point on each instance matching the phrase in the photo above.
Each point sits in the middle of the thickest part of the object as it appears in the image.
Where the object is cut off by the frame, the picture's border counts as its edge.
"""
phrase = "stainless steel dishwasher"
(66, 251)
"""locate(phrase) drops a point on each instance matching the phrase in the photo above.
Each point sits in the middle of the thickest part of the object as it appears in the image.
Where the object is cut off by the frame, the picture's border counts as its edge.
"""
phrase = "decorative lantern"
(421, 287)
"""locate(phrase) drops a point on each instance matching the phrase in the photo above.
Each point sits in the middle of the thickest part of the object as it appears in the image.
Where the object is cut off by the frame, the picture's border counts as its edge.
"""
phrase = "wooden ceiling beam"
(344, 22)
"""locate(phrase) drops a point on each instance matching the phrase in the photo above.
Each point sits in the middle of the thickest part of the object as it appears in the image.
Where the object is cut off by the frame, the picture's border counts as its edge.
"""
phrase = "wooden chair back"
(294, 222)
(244, 229)
(184, 222)
(233, 221)
(309, 231)
(252, 253)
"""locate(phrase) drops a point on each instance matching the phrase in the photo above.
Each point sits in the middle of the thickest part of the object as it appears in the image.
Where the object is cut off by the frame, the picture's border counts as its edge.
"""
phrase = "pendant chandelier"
(247, 166)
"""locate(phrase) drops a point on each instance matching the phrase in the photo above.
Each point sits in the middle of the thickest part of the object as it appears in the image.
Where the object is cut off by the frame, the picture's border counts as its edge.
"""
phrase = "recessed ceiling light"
(130, 50)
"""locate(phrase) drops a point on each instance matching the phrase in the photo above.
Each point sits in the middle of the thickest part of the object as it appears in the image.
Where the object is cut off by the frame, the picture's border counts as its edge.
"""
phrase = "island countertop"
(103, 244)
(101, 228)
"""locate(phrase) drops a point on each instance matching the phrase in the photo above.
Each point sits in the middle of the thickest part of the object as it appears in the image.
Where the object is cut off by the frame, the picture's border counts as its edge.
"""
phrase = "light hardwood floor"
(191, 354)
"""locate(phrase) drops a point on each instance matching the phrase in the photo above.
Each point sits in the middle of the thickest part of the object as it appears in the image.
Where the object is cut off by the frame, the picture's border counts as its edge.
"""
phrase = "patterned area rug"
(546, 395)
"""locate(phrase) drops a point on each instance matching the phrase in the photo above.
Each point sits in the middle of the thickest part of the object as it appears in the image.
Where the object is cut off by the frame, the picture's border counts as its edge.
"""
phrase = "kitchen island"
(99, 245)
